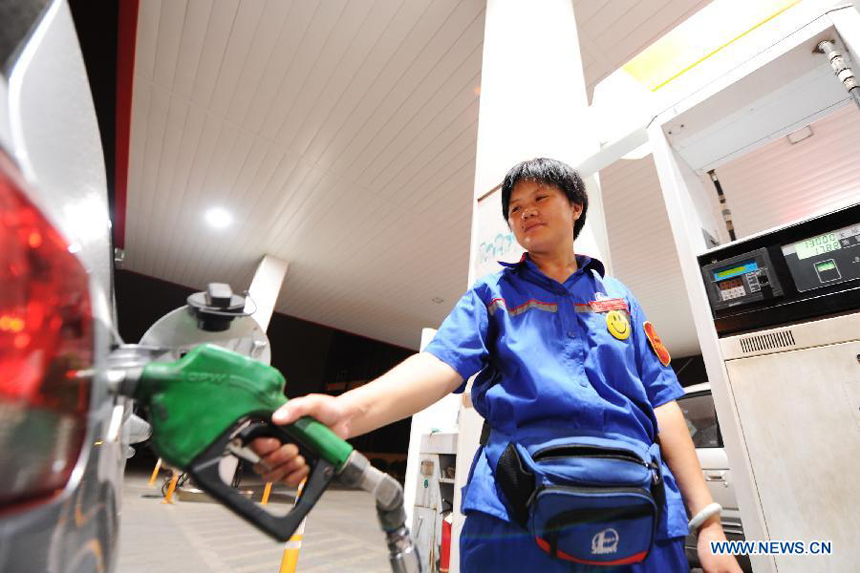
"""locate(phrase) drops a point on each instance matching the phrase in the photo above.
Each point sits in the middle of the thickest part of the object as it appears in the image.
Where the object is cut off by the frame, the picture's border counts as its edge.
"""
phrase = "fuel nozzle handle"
(211, 400)
(193, 401)
(202, 403)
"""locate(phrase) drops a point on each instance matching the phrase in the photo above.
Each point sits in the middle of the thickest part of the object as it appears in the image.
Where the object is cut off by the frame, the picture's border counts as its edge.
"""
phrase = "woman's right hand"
(282, 462)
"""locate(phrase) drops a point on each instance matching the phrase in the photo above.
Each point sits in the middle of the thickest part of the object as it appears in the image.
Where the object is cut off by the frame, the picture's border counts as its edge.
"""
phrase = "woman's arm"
(409, 387)
(678, 450)
(417, 382)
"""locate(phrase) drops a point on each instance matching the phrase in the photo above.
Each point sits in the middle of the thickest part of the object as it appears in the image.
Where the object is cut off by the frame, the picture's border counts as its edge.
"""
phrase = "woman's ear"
(577, 210)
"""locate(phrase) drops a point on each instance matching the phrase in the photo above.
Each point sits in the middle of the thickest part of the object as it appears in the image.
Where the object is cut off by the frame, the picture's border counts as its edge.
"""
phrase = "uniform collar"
(583, 262)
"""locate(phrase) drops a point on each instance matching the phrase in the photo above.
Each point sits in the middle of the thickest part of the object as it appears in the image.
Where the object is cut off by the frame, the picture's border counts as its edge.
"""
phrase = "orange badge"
(657, 344)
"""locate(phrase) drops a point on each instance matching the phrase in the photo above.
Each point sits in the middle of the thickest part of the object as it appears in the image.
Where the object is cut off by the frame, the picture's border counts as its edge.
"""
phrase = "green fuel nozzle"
(212, 402)
(209, 390)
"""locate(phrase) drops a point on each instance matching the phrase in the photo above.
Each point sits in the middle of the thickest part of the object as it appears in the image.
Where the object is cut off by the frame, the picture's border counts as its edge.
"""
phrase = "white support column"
(687, 219)
(265, 288)
(533, 104)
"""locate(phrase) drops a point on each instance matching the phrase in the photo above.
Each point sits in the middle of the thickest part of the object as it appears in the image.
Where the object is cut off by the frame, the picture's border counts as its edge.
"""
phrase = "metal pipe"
(727, 213)
(402, 554)
(840, 68)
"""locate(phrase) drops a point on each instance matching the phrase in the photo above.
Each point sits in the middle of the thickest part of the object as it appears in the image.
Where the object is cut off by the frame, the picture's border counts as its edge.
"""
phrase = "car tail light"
(46, 350)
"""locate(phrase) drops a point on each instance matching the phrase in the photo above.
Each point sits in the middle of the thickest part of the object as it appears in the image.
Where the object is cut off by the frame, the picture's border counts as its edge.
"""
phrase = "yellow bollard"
(155, 472)
(290, 560)
(266, 493)
(169, 497)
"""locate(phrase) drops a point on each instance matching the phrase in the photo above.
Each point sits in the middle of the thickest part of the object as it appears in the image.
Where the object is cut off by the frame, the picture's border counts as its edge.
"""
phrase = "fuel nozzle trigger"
(204, 471)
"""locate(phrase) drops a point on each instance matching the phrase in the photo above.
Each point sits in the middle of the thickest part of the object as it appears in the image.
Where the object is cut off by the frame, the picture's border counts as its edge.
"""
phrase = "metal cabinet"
(800, 418)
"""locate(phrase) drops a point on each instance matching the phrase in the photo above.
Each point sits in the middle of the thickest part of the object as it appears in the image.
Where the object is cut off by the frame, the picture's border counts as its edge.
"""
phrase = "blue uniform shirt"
(547, 359)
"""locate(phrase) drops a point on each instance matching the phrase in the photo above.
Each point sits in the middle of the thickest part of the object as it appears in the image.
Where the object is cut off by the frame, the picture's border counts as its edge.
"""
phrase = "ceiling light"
(218, 218)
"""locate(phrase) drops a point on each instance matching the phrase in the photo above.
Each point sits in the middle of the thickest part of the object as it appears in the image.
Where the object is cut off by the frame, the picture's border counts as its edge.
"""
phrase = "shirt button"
(571, 334)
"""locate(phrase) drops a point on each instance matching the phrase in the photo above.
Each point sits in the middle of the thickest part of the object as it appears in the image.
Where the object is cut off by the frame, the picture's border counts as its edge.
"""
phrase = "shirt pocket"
(610, 337)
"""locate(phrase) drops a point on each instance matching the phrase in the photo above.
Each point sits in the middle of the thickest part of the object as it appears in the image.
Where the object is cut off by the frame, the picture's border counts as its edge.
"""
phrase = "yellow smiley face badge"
(618, 325)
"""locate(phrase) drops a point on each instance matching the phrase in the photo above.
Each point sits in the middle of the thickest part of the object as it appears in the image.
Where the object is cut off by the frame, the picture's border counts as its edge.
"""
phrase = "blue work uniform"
(549, 365)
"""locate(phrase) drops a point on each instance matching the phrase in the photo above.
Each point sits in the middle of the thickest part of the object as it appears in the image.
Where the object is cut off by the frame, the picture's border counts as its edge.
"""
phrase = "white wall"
(781, 183)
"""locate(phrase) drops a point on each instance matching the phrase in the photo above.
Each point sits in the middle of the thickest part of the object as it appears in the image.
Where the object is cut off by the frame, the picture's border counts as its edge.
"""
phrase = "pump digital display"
(817, 246)
(735, 270)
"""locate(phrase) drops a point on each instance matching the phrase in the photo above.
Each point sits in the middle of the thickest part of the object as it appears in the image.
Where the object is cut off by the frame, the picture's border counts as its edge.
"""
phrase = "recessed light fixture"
(799, 135)
(437, 300)
(218, 218)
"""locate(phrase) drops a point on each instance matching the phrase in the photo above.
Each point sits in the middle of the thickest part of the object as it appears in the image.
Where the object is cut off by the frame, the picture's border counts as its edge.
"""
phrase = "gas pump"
(776, 313)
(786, 307)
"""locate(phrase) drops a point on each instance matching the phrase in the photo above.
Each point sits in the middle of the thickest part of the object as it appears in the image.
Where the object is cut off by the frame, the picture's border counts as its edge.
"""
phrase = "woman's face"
(540, 216)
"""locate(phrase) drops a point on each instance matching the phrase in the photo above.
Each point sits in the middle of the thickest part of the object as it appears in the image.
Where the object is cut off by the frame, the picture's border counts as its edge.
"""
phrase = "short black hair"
(550, 172)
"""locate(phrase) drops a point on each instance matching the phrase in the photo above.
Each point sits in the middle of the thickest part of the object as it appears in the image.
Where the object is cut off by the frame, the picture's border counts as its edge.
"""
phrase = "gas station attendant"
(586, 462)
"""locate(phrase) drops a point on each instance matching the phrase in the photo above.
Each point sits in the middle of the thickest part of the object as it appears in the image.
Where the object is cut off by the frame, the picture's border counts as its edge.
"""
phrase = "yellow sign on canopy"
(711, 29)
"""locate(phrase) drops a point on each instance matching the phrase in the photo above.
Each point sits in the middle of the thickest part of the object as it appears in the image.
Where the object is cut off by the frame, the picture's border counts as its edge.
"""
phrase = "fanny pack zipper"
(574, 451)
(574, 489)
(588, 490)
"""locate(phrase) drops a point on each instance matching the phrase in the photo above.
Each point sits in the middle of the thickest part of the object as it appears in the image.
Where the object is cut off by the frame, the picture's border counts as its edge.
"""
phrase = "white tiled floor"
(342, 535)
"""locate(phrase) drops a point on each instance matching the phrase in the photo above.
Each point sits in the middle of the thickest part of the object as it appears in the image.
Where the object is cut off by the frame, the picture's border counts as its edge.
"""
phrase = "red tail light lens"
(46, 343)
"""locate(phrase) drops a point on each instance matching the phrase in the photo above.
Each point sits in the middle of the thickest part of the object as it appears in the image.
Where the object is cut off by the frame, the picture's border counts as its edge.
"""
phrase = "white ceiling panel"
(782, 182)
(612, 32)
(341, 137)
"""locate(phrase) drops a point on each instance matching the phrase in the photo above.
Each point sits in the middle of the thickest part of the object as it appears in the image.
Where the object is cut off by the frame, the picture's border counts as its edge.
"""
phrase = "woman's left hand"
(711, 563)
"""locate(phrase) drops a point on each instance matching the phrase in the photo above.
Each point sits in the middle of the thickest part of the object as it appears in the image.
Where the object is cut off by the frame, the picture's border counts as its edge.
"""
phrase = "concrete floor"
(341, 535)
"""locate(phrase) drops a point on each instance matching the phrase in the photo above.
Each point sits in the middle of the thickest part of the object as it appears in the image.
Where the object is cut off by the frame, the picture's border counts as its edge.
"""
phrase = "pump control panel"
(741, 279)
(801, 271)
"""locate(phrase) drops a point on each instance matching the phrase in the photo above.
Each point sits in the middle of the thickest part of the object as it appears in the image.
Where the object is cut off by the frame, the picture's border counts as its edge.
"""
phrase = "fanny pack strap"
(658, 488)
(485, 434)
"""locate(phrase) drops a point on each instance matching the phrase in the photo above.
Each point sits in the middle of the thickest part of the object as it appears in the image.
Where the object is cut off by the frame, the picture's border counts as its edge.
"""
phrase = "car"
(63, 436)
(697, 405)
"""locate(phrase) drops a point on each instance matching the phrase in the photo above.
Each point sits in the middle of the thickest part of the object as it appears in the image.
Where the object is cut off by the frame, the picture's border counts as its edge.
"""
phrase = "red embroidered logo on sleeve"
(656, 344)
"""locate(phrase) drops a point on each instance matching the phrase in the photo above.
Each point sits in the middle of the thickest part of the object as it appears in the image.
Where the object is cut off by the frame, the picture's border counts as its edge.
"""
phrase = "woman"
(562, 353)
